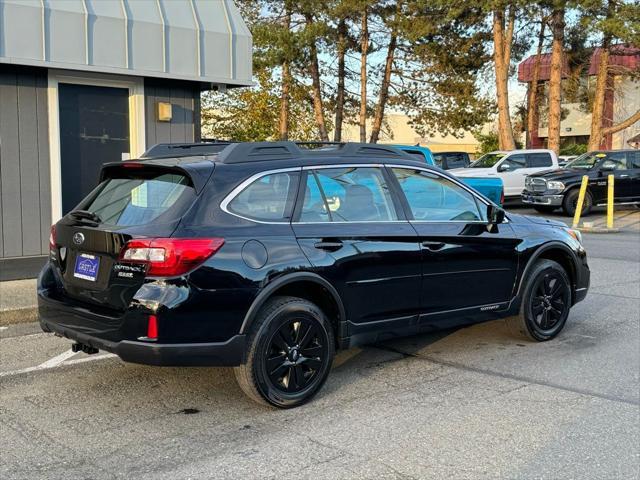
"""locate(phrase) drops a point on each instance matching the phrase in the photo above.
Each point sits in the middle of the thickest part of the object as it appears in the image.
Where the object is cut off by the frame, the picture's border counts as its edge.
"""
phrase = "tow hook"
(81, 347)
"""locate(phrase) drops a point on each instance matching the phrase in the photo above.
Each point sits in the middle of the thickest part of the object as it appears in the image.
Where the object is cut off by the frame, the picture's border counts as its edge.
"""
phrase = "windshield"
(586, 161)
(488, 160)
(141, 199)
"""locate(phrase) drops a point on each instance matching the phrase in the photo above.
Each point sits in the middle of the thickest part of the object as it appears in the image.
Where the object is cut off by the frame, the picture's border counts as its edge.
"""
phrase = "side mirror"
(505, 167)
(495, 215)
(607, 167)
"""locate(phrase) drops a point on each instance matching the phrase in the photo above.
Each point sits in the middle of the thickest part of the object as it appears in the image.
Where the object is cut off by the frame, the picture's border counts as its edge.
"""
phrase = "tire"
(543, 208)
(570, 201)
(290, 349)
(545, 304)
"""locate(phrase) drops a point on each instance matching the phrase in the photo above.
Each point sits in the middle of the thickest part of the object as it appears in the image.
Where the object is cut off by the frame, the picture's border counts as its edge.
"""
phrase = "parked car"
(268, 257)
(547, 191)
(491, 188)
(512, 167)
(450, 160)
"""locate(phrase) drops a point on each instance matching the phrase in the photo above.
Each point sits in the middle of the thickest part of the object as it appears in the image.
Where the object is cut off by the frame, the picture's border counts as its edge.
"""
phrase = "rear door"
(466, 265)
(133, 202)
(354, 234)
(617, 164)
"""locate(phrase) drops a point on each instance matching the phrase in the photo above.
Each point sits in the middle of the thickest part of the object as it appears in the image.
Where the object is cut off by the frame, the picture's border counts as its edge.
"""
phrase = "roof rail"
(161, 150)
(259, 151)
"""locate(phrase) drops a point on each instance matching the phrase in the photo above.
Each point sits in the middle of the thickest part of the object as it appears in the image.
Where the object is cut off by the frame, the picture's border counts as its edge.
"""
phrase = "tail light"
(52, 237)
(502, 197)
(169, 257)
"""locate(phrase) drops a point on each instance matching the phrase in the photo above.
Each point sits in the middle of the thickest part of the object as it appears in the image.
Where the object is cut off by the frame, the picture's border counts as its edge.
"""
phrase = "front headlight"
(575, 234)
(555, 185)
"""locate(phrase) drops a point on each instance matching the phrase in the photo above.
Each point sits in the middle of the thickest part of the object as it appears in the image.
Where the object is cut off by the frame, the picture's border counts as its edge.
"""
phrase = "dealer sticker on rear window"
(86, 267)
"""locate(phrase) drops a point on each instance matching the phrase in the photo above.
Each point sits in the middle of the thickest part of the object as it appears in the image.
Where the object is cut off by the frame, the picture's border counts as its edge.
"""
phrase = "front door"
(465, 264)
(94, 129)
(351, 231)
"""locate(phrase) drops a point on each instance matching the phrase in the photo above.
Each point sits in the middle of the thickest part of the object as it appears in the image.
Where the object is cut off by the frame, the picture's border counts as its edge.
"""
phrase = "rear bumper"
(542, 199)
(53, 315)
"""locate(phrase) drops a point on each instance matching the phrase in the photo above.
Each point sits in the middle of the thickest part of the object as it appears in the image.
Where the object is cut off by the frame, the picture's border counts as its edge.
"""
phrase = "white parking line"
(57, 361)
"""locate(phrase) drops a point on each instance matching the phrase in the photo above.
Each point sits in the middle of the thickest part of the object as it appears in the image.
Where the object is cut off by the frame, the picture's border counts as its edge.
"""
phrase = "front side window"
(267, 199)
(514, 162)
(633, 158)
(353, 194)
(615, 161)
(433, 198)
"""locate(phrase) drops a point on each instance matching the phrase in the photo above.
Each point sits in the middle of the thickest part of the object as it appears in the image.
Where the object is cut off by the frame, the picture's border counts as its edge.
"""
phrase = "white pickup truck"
(511, 166)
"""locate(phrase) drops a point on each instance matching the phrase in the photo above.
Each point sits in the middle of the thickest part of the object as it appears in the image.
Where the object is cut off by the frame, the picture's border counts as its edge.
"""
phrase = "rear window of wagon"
(141, 197)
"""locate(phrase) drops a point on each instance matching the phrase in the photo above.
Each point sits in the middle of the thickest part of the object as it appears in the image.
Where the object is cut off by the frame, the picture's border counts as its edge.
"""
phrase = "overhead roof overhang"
(203, 41)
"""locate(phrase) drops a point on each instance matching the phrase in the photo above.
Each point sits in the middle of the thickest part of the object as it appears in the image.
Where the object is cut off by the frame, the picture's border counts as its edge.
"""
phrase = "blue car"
(492, 188)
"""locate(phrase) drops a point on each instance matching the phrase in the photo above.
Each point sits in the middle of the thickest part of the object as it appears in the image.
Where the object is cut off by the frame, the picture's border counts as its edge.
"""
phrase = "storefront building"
(84, 82)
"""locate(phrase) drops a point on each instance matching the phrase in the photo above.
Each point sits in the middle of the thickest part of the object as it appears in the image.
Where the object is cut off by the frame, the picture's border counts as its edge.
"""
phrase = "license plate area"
(86, 267)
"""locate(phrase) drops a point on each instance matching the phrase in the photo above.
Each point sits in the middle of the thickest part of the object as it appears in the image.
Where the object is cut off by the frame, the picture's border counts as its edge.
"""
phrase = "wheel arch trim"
(553, 245)
(288, 279)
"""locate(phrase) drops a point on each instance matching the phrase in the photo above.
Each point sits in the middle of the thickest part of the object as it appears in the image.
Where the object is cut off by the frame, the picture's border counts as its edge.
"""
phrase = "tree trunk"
(316, 89)
(532, 111)
(341, 51)
(626, 123)
(555, 79)
(502, 59)
(384, 90)
(597, 111)
(364, 46)
(283, 127)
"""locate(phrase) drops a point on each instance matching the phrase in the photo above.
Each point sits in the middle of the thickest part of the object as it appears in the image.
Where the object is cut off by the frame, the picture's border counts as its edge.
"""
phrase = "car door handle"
(329, 246)
(433, 246)
(623, 175)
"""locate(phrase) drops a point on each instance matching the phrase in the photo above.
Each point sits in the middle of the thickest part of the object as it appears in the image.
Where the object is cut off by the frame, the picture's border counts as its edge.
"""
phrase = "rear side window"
(417, 154)
(633, 158)
(268, 199)
(142, 198)
(535, 160)
(347, 195)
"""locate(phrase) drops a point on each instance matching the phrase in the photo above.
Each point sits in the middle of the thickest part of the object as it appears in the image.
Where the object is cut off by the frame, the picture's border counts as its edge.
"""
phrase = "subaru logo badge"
(78, 238)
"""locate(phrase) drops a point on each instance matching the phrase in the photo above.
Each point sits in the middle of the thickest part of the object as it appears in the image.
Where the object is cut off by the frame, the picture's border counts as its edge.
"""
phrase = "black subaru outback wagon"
(268, 257)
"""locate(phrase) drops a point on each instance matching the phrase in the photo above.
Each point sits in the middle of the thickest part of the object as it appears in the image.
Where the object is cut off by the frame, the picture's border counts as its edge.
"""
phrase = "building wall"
(627, 102)
(398, 130)
(185, 105)
(25, 185)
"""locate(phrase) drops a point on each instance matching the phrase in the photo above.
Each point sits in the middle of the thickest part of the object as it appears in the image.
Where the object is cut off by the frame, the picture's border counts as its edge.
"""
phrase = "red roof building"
(576, 127)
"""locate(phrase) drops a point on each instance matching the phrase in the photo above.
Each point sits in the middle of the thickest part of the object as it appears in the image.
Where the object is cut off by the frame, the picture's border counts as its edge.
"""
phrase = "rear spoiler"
(198, 172)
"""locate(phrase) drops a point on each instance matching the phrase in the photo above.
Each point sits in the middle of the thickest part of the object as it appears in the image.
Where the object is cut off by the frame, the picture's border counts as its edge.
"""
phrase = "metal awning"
(197, 40)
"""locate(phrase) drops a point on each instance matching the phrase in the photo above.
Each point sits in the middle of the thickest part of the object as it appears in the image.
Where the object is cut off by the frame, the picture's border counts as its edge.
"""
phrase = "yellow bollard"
(583, 190)
(610, 202)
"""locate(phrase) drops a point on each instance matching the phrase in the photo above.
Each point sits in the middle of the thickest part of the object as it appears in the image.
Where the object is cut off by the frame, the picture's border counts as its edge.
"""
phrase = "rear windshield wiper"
(86, 215)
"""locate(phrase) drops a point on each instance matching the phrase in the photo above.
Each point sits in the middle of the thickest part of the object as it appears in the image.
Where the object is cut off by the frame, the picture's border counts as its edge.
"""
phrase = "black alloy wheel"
(295, 355)
(550, 300)
(290, 351)
(545, 302)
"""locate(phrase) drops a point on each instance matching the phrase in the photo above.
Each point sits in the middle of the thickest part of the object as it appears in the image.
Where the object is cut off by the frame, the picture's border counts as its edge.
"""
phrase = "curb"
(19, 315)
(598, 230)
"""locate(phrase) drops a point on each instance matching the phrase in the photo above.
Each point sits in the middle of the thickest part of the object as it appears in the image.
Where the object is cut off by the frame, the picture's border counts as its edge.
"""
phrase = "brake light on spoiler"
(169, 257)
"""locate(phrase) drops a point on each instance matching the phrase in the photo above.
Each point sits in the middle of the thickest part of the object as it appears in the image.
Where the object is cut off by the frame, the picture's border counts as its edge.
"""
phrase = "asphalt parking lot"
(471, 403)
